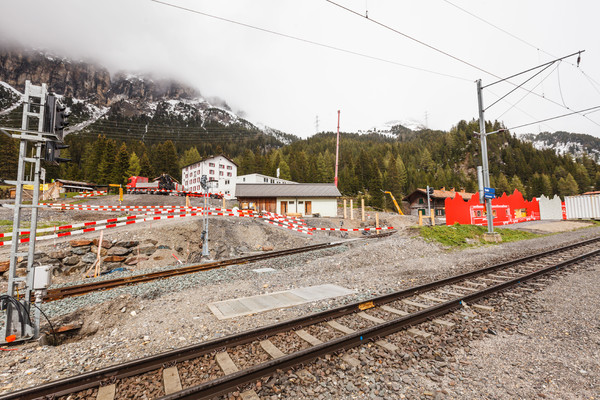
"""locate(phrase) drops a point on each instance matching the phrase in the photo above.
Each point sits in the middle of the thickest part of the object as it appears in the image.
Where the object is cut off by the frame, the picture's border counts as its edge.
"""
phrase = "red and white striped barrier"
(90, 194)
(352, 229)
(288, 227)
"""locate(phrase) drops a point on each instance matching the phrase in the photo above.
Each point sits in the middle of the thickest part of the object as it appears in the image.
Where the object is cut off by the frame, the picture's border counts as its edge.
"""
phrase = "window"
(272, 180)
(212, 171)
(221, 166)
(227, 182)
(300, 202)
(243, 179)
(212, 164)
(220, 173)
(229, 167)
(229, 174)
(227, 192)
(420, 201)
(266, 180)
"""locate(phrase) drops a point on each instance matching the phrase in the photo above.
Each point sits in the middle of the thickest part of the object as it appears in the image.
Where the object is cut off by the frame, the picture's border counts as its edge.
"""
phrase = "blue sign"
(489, 193)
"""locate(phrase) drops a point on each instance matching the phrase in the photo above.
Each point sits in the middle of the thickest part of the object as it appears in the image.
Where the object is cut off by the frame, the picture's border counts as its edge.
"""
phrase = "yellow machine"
(395, 203)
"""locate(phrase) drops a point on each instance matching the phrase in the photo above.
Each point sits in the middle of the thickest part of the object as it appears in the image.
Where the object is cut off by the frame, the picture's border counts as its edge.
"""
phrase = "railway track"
(223, 365)
(77, 290)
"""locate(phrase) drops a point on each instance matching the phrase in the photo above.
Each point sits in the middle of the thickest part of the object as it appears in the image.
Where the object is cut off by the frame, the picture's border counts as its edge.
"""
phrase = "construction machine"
(395, 202)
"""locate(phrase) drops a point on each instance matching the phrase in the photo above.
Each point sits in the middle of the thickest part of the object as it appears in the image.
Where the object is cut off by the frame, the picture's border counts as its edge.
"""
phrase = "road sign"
(489, 193)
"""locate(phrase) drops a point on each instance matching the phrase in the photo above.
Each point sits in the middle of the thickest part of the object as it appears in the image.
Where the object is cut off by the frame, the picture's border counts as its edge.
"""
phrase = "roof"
(297, 190)
(208, 158)
(439, 194)
(76, 183)
(264, 176)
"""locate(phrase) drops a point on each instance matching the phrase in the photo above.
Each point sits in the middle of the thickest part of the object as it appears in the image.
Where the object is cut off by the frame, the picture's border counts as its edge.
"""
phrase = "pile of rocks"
(80, 255)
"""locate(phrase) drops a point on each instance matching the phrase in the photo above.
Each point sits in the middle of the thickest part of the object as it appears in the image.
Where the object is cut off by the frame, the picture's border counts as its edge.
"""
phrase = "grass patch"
(4, 222)
(469, 235)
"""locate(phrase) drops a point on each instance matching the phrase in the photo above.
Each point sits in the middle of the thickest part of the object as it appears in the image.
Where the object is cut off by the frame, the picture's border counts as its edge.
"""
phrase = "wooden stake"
(223, 202)
(420, 219)
(351, 209)
(97, 271)
(187, 201)
(377, 222)
(362, 206)
(345, 215)
(432, 220)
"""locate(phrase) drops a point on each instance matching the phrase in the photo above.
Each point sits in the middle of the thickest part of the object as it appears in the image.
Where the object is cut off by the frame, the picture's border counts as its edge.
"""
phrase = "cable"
(525, 95)
(559, 86)
(308, 41)
(519, 86)
(450, 55)
(49, 323)
(559, 116)
(412, 38)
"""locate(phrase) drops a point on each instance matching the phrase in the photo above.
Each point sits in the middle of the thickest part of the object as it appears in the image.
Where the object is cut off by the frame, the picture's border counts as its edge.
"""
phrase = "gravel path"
(129, 323)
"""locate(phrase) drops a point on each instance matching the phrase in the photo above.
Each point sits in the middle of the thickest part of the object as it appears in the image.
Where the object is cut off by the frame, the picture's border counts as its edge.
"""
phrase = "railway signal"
(56, 120)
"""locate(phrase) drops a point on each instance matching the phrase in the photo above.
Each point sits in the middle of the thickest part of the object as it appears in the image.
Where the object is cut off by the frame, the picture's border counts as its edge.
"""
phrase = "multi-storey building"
(220, 171)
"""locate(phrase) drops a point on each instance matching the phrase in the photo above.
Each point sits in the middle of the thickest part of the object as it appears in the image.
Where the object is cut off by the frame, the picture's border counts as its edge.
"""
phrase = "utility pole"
(337, 151)
(205, 185)
(484, 159)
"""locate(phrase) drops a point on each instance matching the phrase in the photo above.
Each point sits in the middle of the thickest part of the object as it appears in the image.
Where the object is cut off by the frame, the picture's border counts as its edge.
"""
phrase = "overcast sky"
(286, 83)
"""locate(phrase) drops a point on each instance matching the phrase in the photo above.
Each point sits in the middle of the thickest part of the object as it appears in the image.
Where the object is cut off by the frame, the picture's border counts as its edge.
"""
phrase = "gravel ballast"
(131, 322)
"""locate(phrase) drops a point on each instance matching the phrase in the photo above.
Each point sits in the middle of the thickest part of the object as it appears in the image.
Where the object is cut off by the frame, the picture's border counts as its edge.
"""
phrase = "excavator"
(395, 202)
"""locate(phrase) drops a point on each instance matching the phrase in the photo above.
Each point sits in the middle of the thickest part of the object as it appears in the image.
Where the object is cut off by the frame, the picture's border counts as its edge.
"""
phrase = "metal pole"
(337, 150)
(484, 158)
(428, 203)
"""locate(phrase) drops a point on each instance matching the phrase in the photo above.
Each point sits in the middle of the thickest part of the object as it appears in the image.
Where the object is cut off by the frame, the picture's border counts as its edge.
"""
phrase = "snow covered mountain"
(95, 97)
(576, 144)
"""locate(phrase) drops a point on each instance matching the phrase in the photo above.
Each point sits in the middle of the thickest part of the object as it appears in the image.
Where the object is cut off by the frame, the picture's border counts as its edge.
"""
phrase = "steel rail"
(139, 366)
(230, 382)
(77, 290)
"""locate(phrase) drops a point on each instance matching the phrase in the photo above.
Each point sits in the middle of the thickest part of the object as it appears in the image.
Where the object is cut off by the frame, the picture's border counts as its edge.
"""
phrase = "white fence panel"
(583, 207)
(550, 208)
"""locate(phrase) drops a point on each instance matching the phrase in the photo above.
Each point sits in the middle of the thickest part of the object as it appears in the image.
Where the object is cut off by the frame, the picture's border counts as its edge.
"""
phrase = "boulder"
(105, 243)
(80, 242)
(118, 251)
(71, 260)
(73, 269)
(147, 249)
(81, 250)
(127, 243)
(113, 259)
(103, 251)
(153, 241)
(59, 254)
(89, 258)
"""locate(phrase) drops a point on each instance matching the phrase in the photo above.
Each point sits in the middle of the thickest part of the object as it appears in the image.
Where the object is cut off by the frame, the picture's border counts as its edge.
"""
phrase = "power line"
(558, 116)
(285, 35)
(450, 55)
(412, 38)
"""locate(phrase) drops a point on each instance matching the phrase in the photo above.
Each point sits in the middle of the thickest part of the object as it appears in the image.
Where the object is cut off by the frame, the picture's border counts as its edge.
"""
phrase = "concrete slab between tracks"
(272, 301)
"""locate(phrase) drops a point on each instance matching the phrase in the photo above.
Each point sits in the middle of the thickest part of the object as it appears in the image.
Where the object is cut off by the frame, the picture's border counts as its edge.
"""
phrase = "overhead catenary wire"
(308, 41)
(453, 56)
(556, 117)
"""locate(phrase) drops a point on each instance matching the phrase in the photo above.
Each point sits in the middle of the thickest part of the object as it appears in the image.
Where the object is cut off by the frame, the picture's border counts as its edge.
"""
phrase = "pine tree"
(284, 170)
(567, 186)
(134, 167)
(9, 156)
(146, 167)
(516, 183)
(190, 156)
(119, 173)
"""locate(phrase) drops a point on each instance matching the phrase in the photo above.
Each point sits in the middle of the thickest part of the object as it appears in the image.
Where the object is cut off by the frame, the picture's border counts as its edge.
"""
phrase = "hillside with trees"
(369, 164)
